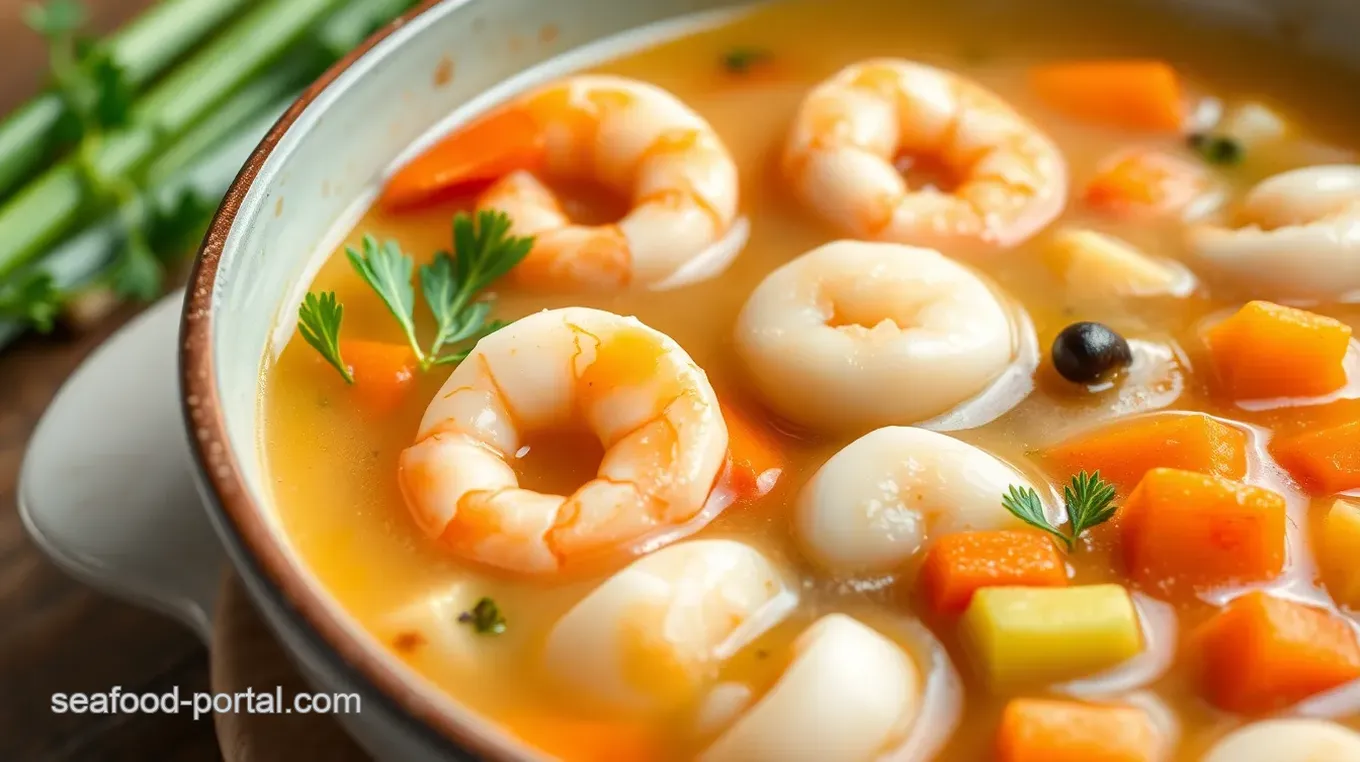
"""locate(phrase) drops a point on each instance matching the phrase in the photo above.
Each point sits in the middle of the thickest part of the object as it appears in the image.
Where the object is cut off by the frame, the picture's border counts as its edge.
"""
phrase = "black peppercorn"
(1085, 353)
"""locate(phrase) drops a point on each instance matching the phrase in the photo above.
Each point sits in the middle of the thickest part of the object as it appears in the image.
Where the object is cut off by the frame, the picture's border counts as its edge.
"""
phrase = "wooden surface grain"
(56, 635)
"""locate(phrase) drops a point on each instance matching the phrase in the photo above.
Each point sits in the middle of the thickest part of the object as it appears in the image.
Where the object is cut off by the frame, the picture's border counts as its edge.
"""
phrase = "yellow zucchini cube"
(1341, 552)
(1104, 267)
(1031, 635)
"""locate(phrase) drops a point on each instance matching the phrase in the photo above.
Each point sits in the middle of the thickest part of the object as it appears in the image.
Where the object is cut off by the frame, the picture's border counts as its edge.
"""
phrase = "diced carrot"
(1184, 528)
(1146, 182)
(957, 565)
(755, 460)
(493, 146)
(382, 372)
(1261, 653)
(1325, 461)
(1135, 95)
(1266, 350)
(572, 740)
(1041, 730)
(1125, 451)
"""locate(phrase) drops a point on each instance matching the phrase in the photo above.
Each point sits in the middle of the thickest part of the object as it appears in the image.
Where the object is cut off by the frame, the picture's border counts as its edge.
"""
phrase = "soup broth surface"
(334, 463)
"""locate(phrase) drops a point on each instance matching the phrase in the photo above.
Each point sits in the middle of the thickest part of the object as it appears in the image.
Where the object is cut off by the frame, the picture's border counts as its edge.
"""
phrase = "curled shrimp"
(1012, 180)
(651, 407)
(633, 139)
(1296, 236)
(854, 335)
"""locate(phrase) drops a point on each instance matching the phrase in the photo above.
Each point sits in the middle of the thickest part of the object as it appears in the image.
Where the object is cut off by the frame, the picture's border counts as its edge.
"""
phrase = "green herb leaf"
(33, 299)
(742, 59)
(1090, 502)
(176, 227)
(55, 17)
(1219, 150)
(319, 323)
(485, 617)
(136, 272)
(1024, 504)
(387, 270)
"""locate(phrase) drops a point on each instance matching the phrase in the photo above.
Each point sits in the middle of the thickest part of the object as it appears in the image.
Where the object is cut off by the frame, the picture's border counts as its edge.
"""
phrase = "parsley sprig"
(1089, 500)
(483, 251)
(486, 617)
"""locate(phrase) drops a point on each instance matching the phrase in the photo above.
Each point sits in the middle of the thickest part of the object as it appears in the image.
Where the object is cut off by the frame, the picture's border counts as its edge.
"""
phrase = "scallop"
(848, 695)
(654, 635)
(1292, 740)
(872, 506)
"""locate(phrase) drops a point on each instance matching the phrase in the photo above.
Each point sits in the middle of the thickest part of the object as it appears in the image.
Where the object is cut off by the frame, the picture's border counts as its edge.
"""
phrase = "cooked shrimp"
(853, 335)
(1297, 236)
(1011, 178)
(849, 694)
(1288, 740)
(655, 634)
(633, 387)
(636, 140)
(875, 503)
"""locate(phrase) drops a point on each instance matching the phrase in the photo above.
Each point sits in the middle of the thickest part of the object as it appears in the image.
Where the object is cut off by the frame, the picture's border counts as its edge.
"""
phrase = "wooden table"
(55, 635)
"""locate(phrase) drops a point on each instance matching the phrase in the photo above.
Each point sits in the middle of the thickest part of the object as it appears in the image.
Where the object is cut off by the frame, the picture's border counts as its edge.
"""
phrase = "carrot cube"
(1125, 451)
(957, 565)
(1040, 730)
(1261, 653)
(754, 457)
(1266, 350)
(1184, 528)
(1324, 462)
(382, 372)
(1132, 94)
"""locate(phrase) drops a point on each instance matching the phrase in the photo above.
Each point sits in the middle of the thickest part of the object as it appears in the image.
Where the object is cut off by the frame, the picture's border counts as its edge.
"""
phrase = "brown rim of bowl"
(220, 469)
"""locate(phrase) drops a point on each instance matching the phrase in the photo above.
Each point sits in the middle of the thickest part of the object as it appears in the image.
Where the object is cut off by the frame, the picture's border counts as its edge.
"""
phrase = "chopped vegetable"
(1261, 653)
(1123, 452)
(1340, 552)
(1253, 124)
(1186, 528)
(1134, 95)
(1041, 730)
(1324, 461)
(1030, 635)
(1085, 353)
(582, 740)
(382, 372)
(1099, 267)
(1218, 150)
(450, 286)
(1146, 182)
(485, 618)
(958, 565)
(1089, 501)
(1267, 350)
(755, 459)
(740, 60)
(489, 148)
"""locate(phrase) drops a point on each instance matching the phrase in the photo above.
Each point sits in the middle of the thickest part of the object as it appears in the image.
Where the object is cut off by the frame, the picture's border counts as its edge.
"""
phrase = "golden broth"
(334, 464)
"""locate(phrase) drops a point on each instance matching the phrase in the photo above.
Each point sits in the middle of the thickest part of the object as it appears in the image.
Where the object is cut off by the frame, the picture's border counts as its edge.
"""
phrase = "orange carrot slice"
(1125, 451)
(958, 565)
(1040, 730)
(1184, 528)
(1146, 182)
(1135, 95)
(756, 462)
(1266, 350)
(1325, 461)
(382, 372)
(573, 740)
(1262, 653)
(493, 146)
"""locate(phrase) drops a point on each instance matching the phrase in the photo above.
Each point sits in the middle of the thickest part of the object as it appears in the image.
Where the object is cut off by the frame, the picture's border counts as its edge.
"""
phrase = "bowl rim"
(243, 526)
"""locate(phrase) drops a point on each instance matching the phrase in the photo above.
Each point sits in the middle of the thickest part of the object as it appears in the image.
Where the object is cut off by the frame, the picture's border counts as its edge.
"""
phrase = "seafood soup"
(859, 381)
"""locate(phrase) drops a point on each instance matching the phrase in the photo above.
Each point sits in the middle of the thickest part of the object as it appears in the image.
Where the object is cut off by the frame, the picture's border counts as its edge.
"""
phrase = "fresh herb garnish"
(740, 60)
(1089, 499)
(1216, 149)
(485, 617)
(483, 249)
(33, 299)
